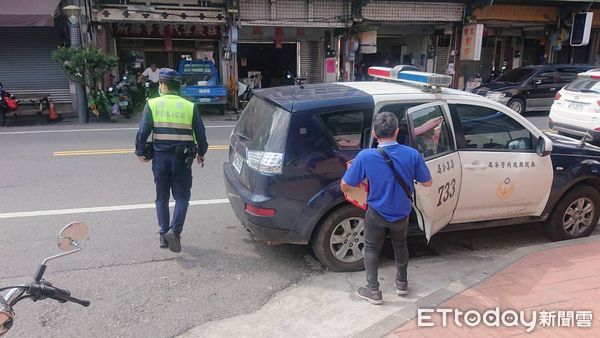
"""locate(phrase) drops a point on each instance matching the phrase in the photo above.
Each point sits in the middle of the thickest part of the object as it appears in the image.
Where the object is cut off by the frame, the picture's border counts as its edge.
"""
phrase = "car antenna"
(585, 138)
(297, 81)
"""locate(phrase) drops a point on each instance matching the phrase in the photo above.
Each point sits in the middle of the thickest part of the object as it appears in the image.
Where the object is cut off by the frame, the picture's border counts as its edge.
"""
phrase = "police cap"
(168, 75)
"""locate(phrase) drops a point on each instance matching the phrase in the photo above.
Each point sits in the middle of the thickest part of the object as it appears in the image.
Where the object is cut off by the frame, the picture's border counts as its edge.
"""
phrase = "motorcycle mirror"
(70, 235)
(6, 317)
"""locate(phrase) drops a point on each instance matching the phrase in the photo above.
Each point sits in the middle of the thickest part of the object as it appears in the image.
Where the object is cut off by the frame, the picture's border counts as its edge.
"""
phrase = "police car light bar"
(409, 76)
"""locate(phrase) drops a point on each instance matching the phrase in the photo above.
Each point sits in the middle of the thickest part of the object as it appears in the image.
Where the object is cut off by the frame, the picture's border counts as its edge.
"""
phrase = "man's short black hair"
(173, 86)
(385, 124)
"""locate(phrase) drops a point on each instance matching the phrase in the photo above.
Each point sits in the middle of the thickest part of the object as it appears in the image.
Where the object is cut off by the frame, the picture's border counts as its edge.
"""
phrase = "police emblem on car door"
(503, 176)
(432, 135)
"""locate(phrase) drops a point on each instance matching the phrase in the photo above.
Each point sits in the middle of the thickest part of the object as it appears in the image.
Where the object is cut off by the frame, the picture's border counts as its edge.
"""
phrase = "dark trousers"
(171, 175)
(375, 229)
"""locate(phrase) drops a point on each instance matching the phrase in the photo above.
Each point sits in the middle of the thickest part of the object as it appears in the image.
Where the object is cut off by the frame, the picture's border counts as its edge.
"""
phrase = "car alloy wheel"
(578, 216)
(347, 240)
(575, 215)
(517, 106)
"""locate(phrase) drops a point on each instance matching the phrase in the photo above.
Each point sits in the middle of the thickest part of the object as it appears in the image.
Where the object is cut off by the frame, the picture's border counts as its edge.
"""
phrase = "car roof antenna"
(587, 136)
(297, 81)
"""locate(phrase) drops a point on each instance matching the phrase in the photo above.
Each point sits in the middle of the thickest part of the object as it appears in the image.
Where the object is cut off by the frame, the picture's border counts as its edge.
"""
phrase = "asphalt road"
(136, 288)
(539, 119)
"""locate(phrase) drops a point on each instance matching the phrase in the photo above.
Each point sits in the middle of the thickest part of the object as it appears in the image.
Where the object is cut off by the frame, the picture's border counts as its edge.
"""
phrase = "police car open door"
(431, 133)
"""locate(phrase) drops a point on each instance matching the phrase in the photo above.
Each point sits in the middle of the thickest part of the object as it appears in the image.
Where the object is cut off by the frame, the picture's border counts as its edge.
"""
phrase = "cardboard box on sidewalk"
(358, 195)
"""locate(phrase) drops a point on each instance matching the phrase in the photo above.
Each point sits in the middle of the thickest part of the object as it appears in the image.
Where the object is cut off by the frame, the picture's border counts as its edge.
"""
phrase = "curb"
(409, 312)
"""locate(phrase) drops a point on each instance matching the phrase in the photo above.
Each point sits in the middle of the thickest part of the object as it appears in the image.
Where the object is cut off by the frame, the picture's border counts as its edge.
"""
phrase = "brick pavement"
(560, 279)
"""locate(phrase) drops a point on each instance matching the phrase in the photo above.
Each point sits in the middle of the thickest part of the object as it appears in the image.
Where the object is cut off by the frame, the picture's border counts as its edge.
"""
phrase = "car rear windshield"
(516, 75)
(584, 85)
(263, 126)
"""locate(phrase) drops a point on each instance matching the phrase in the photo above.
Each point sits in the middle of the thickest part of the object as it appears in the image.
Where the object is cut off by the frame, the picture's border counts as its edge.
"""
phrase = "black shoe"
(373, 297)
(401, 288)
(174, 241)
(163, 244)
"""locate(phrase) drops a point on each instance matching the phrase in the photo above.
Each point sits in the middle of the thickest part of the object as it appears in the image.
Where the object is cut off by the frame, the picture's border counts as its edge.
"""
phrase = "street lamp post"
(73, 13)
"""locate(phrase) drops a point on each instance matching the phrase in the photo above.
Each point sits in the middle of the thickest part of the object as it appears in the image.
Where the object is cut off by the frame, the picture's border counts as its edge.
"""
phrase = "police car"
(490, 165)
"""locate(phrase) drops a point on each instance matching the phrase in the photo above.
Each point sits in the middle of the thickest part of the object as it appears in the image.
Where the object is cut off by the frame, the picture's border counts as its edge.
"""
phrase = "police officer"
(178, 137)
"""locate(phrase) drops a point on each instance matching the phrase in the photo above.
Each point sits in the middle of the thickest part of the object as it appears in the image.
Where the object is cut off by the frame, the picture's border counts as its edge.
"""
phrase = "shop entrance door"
(272, 63)
(160, 59)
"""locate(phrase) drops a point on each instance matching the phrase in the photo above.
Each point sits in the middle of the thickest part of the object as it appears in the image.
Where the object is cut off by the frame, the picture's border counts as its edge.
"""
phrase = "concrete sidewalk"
(326, 305)
(559, 290)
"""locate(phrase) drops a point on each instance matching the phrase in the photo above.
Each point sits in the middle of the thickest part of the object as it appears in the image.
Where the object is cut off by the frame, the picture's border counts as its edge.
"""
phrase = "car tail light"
(557, 96)
(265, 162)
(256, 211)
(598, 102)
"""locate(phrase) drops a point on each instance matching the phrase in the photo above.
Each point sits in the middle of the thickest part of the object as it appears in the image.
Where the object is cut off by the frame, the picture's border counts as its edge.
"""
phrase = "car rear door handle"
(475, 166)
(553, 88)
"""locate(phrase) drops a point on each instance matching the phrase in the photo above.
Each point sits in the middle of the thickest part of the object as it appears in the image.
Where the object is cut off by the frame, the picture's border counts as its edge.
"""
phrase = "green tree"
(87, 66)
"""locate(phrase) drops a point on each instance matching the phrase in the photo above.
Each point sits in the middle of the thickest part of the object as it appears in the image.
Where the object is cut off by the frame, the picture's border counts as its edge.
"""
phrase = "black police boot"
(174, 241)
(163, 244)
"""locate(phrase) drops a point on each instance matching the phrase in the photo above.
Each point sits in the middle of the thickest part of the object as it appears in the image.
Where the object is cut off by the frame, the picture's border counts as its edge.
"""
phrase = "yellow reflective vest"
(172, 116)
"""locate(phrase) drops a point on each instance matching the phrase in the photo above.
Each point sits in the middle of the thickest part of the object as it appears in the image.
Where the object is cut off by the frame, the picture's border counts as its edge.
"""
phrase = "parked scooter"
(151, 90)
(68, 242)
(121, 98)
(9, 100)
(247, 91)
(473, 82)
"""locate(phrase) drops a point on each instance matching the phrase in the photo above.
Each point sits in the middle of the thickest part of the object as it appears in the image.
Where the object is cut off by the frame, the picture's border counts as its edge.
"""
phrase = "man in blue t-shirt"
(389, 204)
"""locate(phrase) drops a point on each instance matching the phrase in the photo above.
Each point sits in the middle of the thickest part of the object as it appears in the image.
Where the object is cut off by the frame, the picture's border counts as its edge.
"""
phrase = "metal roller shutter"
(441, 60)
(311, 61)
(425, 11)
(26, 59)
(252, 10)
(295, 13)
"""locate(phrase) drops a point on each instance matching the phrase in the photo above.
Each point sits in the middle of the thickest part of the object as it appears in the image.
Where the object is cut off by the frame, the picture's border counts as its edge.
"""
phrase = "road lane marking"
(117, 151)
(88, 130)
(102, 209)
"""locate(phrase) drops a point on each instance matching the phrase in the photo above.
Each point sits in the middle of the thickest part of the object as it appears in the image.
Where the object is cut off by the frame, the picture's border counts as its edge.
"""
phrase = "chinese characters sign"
(470, 46)
(157, 30)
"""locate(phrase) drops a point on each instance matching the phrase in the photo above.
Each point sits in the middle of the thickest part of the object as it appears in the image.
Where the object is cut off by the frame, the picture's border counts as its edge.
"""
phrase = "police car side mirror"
(540, 149)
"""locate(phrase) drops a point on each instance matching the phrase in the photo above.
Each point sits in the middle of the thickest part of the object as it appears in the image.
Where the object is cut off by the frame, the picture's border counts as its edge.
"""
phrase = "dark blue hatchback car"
(490, 166)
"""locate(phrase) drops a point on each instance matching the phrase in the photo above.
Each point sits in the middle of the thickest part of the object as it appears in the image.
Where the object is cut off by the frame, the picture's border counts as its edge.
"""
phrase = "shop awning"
(30, 13)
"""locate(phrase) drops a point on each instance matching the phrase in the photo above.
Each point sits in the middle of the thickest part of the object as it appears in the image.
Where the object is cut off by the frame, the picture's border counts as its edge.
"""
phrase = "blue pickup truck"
(200, 83)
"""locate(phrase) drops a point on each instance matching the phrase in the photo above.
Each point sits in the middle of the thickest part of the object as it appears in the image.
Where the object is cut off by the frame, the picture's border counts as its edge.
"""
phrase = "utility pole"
(73, 14)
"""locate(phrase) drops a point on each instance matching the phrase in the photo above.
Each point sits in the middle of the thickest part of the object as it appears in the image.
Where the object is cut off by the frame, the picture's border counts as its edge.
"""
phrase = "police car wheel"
(576, 215)
(339, 240)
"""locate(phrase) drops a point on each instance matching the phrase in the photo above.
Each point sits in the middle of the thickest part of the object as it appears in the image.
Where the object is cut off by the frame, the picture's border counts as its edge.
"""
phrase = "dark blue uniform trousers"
(171, 175)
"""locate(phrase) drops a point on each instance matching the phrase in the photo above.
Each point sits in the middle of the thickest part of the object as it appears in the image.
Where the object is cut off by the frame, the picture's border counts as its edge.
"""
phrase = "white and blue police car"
(490, 166)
